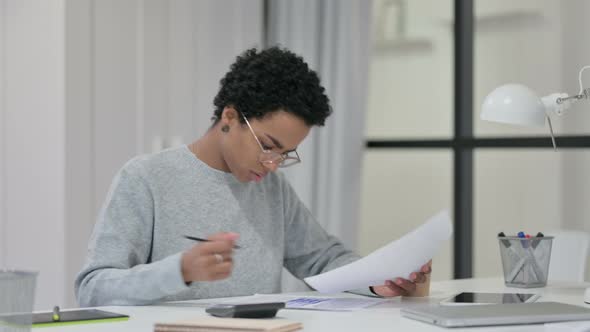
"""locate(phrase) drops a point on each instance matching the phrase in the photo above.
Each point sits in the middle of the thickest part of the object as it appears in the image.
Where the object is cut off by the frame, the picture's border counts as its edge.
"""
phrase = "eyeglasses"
(274, 158)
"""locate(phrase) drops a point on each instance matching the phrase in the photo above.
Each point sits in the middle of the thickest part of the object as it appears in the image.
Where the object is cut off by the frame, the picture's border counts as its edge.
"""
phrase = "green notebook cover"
(82, 316)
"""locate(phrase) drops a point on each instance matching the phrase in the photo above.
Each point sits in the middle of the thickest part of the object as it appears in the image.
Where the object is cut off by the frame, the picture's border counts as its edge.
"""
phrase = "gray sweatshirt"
(134, 254)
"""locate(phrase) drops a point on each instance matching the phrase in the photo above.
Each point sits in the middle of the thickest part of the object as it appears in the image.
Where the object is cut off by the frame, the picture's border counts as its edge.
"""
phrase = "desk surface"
(385, 317)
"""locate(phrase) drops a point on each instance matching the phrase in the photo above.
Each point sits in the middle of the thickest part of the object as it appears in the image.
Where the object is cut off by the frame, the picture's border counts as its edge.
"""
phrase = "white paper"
(397, 259)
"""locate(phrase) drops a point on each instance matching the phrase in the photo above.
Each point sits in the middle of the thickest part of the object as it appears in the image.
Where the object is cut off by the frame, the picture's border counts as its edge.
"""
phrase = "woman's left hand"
(404, 287)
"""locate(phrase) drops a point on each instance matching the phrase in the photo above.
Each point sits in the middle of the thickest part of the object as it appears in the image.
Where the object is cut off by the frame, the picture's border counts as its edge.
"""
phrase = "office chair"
(569, 255)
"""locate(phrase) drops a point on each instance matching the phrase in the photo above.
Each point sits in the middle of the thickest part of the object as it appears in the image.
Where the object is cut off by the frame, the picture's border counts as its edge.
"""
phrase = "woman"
(224, 185)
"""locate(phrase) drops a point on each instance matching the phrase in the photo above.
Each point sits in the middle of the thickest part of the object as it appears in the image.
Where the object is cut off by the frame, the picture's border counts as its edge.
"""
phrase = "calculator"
(254, 310)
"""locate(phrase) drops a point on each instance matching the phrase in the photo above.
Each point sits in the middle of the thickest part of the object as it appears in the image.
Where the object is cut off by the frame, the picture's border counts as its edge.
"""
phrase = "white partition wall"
(84, 86)
(79, 120)
(33, 142)
(2, 131)
(156, 68)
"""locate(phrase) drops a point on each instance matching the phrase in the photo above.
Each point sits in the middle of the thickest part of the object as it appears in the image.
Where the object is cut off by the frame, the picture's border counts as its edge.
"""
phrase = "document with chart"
(344, 302)
(397, 259)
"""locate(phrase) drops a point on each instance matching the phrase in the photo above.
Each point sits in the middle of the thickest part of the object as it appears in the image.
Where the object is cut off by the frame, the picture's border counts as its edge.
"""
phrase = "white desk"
(385, 317)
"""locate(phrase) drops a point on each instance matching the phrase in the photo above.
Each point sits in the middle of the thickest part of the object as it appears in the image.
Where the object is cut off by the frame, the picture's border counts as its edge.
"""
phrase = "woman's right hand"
(208, 261)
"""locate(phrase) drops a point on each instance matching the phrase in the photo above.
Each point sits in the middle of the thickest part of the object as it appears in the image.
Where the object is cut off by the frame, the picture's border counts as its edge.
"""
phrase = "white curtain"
(333, 36)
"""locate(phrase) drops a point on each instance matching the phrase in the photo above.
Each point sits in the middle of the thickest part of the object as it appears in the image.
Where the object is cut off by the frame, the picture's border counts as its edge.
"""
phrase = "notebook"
(71, 317)
(497, 314)
(82, 316)
(213, 324)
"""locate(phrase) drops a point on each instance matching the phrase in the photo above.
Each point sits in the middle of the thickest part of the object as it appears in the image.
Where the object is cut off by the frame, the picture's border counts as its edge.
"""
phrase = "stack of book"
(212, 324)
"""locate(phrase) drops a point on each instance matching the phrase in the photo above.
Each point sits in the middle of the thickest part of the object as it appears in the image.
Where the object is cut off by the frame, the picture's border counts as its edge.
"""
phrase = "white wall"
(534, 42)
(2, 136)
(514, 190)
(401, 190)
(34, 142)
(84, 86)
(79, 129)
(518, 42)
(87, 84)
(410, 86)
(576, 163)
(410, 95)
(157, 66)
(576, 185)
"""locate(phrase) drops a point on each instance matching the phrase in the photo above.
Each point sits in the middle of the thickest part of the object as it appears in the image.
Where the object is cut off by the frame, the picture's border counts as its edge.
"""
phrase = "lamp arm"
(557, 103)
(582, 91)
(585, 94)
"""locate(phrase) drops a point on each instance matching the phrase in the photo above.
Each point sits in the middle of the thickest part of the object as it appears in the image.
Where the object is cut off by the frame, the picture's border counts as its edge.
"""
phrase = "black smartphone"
(254, 310)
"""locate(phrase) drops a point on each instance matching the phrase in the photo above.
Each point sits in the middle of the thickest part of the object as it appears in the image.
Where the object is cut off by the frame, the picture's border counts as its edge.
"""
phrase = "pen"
(205, 240)
(537, 273)
(524, 242)
(536, 242)
(505, 242)
(56, 314)
(515, 257)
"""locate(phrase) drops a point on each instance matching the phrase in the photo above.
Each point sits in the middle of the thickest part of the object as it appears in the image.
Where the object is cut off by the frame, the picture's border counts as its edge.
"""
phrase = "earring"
(225, 128)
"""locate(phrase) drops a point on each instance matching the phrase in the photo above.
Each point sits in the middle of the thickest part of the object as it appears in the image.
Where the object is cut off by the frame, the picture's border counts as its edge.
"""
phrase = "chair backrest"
(569, 255)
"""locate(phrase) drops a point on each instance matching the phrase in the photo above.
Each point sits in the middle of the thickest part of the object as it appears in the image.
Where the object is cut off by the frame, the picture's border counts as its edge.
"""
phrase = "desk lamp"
(519, 105)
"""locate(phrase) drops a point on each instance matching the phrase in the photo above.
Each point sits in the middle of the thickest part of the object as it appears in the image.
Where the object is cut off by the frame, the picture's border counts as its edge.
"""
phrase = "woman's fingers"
(406, 285)
(418, 277)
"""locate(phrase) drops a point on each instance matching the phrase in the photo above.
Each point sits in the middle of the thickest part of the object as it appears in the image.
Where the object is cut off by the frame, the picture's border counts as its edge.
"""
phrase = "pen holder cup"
(17, 294)
(525, 261)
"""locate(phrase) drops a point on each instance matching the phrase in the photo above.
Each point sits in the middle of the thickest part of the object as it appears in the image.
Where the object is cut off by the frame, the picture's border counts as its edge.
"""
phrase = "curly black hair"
(271, 80)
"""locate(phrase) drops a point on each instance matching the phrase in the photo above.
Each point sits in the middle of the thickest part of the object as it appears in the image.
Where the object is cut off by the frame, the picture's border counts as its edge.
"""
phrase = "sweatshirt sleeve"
(118, 270)
(309, 249)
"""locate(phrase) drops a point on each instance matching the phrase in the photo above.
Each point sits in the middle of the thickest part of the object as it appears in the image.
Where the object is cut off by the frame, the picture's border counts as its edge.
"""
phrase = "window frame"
(464, 143)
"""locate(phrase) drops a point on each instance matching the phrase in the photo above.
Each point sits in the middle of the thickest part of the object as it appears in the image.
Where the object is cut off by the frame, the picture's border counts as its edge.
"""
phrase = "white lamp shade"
(514, 104)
